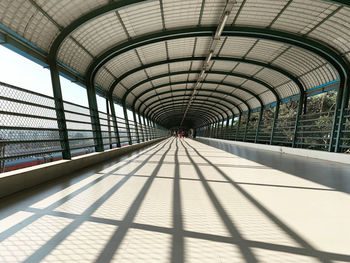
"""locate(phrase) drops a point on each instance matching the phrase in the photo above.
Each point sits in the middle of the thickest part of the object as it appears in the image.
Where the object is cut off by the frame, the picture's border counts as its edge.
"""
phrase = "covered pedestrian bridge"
(260, 87)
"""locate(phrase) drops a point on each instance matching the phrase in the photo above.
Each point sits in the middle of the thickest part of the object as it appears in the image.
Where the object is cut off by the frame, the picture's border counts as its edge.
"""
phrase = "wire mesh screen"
(123, 133)
(242, 127)
(29, 132)
(345, 136)
(80, 132)
(133, 132)
(252, 126)
(265, 128)
(28, 128)
(314, 130)
(109, 136)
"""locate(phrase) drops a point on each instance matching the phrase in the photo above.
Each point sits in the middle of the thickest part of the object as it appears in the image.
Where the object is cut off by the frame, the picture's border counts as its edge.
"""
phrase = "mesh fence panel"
(28, 127)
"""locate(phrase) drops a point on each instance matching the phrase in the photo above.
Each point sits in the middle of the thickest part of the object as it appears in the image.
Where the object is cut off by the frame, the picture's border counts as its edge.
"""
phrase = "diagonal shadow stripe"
(11, 231)
(235, 234)
(116, 239)
(244, 183)
(322, 257)
(203, 236)
(220, 165)
(178, 247)
(50, 245)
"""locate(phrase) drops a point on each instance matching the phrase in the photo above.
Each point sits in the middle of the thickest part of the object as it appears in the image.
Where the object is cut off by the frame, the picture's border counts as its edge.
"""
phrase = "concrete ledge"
(14, 181)
(321, 155)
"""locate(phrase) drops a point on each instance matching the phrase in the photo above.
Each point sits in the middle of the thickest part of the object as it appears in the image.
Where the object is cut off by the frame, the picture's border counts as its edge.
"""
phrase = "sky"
(24, 73)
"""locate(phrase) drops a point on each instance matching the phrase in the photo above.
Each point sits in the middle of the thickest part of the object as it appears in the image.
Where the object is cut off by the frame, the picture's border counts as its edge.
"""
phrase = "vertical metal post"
(239, 125)
(221, 129)
(336, 119)
(275, 119)
(218, 130)
(227, 127)
(299, 112)
(127, 124)
(345, 104)
(141, 128)
(246, 126)
(145, 126)
(136, 126)
(109, 125)
(259, 123)
(154, 129)
(114, 119)
(61, 119)
(150, 130)
(95, 119)
(213, 130)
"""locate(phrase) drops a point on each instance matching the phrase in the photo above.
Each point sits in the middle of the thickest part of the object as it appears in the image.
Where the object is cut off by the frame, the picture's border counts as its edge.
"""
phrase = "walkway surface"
(178, 201)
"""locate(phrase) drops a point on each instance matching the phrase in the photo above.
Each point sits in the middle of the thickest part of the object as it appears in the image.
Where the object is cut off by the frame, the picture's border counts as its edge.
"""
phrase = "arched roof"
(149, 52)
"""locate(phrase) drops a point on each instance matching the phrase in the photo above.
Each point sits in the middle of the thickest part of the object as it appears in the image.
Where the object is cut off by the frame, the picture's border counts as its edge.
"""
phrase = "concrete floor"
(182, 201)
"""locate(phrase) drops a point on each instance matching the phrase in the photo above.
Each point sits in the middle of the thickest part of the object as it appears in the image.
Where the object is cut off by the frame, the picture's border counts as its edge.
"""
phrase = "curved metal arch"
(313, 46)
(328, 53)
(197, 109)
(203, 103)
(195, 116)
(184, 99)
(169, 107)
(183, 90)
(111, 6)
(240, 60)
(65, 32)
(191, 123)
(180, 107)
(198, 112)
(187, 97)
(222, 99)
(197, 72)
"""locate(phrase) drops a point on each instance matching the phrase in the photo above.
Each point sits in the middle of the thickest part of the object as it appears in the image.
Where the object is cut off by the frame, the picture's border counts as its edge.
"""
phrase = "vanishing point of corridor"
(179, 201)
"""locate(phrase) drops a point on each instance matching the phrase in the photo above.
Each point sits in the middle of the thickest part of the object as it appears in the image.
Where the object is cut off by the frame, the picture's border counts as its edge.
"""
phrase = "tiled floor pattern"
(180, 201)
